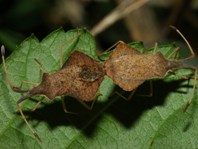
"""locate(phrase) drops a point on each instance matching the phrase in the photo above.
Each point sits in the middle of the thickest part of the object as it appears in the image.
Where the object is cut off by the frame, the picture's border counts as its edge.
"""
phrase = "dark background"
(150, 23)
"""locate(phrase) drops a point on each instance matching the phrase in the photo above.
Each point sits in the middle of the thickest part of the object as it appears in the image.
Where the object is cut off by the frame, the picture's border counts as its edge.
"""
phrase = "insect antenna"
(15, 89)
(188, 67)
(19, 91)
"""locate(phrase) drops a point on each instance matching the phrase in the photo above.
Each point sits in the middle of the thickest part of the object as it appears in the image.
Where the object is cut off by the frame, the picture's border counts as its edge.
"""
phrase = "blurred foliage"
(21, 18)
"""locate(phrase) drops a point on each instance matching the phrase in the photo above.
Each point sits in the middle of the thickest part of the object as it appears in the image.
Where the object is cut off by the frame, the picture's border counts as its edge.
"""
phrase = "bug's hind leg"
(64, 107)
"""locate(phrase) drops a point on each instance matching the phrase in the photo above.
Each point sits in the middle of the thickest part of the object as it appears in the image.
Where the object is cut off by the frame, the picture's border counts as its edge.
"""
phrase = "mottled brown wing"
(86, 77)
(80, 77)
(91, 69)
(116, 67)
(129, 69)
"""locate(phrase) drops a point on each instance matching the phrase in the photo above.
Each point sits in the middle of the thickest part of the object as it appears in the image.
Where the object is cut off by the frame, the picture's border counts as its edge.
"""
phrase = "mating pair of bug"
(81, 76)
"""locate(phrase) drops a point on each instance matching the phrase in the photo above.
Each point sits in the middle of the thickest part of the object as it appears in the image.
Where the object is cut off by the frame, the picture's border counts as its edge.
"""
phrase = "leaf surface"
(144, 122)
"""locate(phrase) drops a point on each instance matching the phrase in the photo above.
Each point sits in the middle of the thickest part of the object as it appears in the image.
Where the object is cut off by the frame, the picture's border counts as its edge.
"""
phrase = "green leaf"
(143, 122)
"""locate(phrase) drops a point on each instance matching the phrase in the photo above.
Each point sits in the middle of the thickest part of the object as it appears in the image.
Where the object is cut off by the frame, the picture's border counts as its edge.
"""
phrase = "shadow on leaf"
(126, 112)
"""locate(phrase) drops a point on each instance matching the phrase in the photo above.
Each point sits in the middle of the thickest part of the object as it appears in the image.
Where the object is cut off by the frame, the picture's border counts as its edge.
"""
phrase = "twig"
(119, 12)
